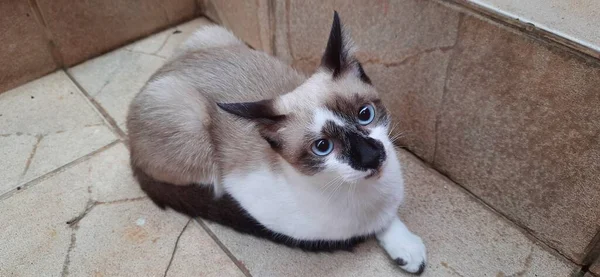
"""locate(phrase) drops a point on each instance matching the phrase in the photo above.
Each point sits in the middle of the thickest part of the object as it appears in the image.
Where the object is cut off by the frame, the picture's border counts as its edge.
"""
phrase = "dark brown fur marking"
(198, 201)
(348, 107)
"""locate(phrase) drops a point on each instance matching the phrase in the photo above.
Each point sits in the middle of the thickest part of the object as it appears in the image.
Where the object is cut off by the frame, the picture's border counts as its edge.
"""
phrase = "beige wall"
(43, 35)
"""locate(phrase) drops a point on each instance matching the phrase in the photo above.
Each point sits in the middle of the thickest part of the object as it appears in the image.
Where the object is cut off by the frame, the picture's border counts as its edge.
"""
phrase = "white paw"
(404, 247)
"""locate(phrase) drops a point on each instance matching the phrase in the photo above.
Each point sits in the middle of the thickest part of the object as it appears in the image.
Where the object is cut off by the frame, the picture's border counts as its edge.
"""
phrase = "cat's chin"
(376, 174)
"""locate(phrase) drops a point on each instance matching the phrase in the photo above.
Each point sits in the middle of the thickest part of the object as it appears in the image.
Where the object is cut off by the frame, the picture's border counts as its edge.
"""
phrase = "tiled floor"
(70, 206)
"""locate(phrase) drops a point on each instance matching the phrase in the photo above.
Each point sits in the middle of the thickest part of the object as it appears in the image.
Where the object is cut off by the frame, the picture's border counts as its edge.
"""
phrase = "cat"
(237, 137)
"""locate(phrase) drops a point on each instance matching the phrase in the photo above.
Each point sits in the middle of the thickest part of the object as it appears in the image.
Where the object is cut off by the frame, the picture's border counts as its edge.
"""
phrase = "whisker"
(392, 129)
(330, 183)
(398, 136)
(335, 190)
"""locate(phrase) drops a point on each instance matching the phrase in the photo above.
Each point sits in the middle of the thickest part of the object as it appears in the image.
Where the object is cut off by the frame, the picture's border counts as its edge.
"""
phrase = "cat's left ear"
(339, 56)
(263, 113)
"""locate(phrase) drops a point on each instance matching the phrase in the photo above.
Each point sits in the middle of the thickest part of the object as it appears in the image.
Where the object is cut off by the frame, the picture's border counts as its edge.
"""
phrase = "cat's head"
(334, 123)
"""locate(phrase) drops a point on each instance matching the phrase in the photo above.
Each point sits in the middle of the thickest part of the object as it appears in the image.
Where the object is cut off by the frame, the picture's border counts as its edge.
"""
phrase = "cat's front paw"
(404, 247)
(407, 250)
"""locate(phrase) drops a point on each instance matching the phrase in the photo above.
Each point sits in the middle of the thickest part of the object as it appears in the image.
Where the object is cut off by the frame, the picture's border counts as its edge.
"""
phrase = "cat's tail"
(193, 200)
(190, 199)
(208, 37)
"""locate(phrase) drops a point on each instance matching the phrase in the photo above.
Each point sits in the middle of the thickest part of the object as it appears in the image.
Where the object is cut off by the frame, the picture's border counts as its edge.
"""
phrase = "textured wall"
(24, 49)
(39, 36)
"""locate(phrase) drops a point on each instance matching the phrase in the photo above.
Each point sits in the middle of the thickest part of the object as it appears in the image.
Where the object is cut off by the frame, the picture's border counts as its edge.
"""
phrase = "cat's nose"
(371, 154)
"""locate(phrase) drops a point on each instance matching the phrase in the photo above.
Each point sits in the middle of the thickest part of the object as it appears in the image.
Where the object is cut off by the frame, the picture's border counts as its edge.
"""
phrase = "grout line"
(237, 262)
(119, 201)
(592, 252)
(74, 226)
(30, 158)
(31, 183)
(176, 246)
(144, 53)
(67, 261)
(103, 113)
(171, 32)
(88, 208)
(523, 229)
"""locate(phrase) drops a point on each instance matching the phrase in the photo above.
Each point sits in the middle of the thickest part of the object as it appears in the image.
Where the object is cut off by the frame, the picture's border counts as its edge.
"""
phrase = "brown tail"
(193, 200)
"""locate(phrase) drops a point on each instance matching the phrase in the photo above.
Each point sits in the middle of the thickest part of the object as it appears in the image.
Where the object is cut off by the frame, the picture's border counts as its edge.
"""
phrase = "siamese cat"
(237, 137)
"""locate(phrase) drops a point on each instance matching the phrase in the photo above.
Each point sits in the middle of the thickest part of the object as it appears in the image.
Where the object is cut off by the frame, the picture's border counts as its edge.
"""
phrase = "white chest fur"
(306, 208)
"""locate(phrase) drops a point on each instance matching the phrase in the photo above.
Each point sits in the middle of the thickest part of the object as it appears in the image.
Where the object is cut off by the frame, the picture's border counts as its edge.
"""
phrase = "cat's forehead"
(346, 104)
(322, 116)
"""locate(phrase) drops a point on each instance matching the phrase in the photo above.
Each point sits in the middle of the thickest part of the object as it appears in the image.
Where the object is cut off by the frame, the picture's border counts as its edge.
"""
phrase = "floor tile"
(183, 31)
(109, 176)
(125, 239)
(34, 231)
(93, 75)
(164, 43)
(263, 258)
(51, 154)
(152, 44)
(91, 219)
(198, 255)
(34, 235)
(42, 121)
(15, 151)
(115, 78)
(463, 238)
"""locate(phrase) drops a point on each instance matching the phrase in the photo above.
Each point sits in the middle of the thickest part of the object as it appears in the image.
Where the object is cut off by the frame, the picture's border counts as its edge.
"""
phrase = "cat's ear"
(260, 111)
(339, 56)
(268, 120)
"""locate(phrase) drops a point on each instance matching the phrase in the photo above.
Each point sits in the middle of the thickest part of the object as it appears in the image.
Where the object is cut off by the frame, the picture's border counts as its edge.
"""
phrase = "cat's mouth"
(378, 172)
(374, 173)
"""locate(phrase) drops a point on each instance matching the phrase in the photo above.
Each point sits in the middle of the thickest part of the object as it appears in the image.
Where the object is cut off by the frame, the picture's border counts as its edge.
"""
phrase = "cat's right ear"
(264, 114)
(259, 111)
(339, 56)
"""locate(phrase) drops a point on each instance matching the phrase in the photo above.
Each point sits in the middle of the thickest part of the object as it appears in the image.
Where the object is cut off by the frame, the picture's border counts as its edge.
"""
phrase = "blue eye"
(322, 147)
(366, 114)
